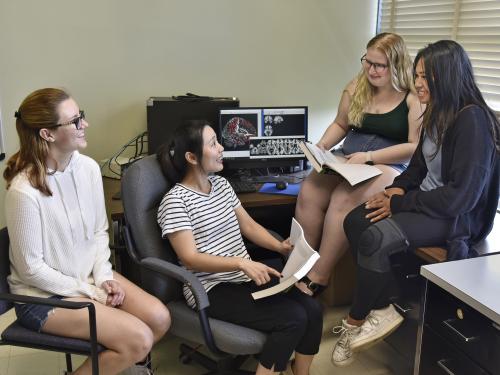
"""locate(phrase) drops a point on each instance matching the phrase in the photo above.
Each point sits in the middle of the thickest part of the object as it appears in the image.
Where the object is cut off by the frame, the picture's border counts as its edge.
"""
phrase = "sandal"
(315, 288)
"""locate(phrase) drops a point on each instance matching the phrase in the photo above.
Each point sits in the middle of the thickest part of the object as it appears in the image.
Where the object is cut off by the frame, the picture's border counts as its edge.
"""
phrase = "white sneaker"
(342, 354)
(378, 324)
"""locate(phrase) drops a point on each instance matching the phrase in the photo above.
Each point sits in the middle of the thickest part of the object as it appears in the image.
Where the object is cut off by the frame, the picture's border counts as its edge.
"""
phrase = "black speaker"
(164, 114)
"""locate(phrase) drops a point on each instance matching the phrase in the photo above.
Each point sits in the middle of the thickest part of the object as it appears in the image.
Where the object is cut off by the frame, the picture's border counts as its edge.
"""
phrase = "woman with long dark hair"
(447, 197)
(204, 221)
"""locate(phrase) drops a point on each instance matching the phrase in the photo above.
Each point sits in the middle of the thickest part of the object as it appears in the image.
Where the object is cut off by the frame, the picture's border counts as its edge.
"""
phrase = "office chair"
(16, 335)
(143, 186)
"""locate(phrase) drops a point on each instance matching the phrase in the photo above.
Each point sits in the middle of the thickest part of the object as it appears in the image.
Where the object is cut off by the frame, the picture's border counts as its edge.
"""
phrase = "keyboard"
(284, 177)
(240, 186)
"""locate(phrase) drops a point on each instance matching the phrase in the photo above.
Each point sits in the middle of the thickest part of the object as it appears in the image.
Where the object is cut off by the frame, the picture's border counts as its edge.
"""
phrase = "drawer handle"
(442, 363)
(448, 324)
(401, 308)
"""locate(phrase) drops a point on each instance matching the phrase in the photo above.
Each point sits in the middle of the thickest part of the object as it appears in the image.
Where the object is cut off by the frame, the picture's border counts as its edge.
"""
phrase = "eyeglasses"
(77, 121)
(367, 64)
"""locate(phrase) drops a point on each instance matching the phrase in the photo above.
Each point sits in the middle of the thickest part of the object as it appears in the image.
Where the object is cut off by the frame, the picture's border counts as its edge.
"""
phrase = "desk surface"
(248, 200)
(475, 281)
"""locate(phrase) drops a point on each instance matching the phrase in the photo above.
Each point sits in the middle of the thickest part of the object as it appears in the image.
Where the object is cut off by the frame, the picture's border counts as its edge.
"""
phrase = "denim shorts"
(356, 141)
(33, 316)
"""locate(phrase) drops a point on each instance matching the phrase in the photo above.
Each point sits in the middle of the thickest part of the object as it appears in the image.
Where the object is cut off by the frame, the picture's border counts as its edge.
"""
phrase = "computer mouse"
(281, 185)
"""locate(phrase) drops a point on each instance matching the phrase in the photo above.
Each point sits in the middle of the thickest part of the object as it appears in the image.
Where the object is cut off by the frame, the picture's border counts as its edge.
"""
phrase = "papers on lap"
(325, 162)
(298, 265)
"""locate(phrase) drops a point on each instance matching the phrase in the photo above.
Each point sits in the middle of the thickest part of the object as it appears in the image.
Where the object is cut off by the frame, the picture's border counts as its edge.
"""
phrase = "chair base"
(225, 366)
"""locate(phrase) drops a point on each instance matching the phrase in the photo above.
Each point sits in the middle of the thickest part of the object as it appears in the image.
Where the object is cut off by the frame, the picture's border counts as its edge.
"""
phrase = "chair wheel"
(185, 359)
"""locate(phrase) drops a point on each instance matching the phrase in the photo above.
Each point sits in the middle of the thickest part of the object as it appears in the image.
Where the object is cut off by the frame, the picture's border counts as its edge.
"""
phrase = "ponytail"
(172, 155)
(165, 156)
(37, 111)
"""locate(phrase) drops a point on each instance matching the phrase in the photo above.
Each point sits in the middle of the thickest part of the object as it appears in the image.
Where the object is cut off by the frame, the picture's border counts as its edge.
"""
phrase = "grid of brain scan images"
(263, 132)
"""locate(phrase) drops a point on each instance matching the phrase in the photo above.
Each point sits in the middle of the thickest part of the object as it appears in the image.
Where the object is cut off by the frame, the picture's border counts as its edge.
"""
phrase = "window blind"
(475, 24)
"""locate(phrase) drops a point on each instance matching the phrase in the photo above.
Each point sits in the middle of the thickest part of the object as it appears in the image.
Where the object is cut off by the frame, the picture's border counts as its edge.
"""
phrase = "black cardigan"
(471, 180)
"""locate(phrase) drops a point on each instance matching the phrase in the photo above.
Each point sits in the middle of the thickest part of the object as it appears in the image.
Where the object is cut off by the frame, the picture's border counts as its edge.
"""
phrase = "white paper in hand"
(299, 263)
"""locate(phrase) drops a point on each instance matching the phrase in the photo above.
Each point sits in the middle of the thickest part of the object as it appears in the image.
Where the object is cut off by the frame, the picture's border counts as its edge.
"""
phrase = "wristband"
(369, 159)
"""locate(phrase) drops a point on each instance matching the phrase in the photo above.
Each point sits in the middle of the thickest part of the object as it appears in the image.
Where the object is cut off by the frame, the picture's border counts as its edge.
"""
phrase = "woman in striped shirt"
(204, 221)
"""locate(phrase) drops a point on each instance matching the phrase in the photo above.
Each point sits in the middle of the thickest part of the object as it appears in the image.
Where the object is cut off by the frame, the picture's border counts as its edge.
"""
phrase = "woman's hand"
(356, 158)
(258, 272)
(322, 145)
(380, 203)
(116, 294)
(286, 247)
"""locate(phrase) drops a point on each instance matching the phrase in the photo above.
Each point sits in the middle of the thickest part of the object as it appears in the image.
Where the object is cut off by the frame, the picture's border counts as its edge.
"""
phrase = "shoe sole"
(345, 363)
(366, 344)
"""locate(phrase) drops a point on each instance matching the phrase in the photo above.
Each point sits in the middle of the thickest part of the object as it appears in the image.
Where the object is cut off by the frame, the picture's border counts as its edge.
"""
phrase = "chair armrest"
(180, 274)
(44, 301)
(200, 295)
(65, 305)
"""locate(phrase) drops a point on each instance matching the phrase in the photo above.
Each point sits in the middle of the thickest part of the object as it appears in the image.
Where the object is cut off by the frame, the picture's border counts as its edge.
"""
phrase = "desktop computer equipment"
(164, 114)
(261, 143)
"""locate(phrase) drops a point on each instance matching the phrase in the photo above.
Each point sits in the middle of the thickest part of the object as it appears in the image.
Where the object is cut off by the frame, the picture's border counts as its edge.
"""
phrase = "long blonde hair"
(39, 110)
(400, 65)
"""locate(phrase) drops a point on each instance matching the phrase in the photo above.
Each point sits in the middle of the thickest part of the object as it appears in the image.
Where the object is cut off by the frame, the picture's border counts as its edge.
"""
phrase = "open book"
(298, 265)
(324, 162)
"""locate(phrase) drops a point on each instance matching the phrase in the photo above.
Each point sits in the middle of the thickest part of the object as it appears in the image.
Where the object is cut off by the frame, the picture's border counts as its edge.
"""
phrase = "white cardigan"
(59, 243)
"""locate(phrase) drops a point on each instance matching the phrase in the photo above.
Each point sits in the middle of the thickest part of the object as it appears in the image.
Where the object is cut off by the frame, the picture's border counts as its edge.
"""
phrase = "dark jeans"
(33, 316)
(373, 289)
(292, 320)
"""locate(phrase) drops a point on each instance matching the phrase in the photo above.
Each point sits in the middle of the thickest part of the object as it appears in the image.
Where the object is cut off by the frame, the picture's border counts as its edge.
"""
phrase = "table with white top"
(459, 332)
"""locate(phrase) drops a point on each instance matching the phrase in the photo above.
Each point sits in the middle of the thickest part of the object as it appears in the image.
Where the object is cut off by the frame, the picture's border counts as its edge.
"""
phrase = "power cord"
(140, 151)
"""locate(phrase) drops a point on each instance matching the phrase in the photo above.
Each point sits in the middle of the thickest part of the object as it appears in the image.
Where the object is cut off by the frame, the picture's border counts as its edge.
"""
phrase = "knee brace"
(378, 242)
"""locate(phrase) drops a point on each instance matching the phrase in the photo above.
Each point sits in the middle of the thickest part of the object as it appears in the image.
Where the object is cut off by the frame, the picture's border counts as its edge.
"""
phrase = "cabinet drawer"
(470, 331)
(409, 285)
(440, 358)
(407, 303)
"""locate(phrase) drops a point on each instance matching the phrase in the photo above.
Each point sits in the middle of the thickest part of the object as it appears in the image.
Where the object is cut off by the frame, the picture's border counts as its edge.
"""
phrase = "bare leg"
(312, 204)
(343, 199)
(302, 364)
(261, 370)
(144, 306)
(126, 336)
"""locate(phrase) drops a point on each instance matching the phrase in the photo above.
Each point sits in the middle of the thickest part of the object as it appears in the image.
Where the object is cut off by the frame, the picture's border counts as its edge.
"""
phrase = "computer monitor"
(165, 114)
(263, 137)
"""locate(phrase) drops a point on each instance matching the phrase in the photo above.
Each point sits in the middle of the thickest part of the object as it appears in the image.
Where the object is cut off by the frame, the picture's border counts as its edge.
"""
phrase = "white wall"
(114, 54)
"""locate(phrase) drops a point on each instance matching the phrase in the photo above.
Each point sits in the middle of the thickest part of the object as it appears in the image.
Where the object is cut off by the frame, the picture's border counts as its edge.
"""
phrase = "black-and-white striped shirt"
(212, 220)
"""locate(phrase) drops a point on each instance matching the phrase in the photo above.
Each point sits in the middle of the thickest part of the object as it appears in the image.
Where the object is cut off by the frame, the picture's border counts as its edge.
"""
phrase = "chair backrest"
(142, 188)
(4, 268)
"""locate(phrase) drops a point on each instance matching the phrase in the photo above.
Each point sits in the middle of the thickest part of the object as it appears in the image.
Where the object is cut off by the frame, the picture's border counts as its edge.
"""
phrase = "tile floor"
(381, 359)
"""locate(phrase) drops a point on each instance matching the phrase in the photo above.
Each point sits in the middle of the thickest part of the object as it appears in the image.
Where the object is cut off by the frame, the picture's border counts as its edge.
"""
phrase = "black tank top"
(393, 124)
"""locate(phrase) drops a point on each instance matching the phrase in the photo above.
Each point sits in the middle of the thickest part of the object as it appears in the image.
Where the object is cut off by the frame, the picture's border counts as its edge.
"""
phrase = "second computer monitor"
(254, 136)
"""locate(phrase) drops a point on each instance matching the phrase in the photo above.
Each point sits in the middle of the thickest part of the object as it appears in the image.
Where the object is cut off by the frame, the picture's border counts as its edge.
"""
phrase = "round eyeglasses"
(367, 64)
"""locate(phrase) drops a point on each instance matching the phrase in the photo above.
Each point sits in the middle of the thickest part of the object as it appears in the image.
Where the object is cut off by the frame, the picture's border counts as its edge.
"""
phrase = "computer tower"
(164, 114)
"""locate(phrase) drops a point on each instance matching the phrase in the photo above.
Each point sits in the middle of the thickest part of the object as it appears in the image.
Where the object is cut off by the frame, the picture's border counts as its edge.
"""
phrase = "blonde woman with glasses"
(378, 120)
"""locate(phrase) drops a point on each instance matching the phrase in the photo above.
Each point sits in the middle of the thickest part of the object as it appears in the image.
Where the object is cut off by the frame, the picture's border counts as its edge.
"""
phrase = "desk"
(459, 329)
